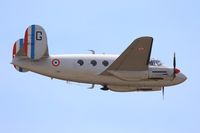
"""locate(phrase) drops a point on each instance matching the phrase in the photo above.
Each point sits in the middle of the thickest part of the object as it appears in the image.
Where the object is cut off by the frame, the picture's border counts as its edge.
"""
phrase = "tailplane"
(34, 46)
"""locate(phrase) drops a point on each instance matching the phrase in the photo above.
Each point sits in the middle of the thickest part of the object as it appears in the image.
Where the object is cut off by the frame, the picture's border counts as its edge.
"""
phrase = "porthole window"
(105, 63)
(80, 62)
(93, 62)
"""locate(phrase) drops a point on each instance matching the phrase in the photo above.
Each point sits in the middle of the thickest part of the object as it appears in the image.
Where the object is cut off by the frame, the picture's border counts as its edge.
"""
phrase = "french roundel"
(55, 62)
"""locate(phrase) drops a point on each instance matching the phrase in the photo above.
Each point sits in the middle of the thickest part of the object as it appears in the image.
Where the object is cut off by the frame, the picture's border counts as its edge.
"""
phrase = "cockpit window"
(154, 62)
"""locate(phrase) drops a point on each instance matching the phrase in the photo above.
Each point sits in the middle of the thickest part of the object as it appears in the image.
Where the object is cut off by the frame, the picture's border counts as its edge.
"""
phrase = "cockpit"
(154, 62)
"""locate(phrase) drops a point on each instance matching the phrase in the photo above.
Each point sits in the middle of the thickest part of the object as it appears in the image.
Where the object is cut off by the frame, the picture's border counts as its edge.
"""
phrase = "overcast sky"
(31, 103)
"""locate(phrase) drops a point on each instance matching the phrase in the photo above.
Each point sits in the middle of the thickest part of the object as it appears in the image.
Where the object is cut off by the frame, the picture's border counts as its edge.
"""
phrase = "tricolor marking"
(16, 48)
(32, 41)
(55, 62)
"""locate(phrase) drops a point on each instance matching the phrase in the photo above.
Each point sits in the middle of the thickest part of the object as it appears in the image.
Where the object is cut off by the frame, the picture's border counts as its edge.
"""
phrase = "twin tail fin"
(34, 46)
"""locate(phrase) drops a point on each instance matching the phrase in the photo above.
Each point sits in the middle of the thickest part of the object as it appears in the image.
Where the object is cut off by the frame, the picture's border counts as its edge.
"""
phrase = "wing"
(135, 58)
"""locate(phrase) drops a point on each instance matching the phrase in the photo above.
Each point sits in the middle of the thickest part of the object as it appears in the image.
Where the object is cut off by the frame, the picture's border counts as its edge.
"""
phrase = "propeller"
(174, 65)
(163, 92)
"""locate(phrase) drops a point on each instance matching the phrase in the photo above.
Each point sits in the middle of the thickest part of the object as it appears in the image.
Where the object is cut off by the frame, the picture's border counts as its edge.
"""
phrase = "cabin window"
(93, 62)
(105, 63)
(80, 62)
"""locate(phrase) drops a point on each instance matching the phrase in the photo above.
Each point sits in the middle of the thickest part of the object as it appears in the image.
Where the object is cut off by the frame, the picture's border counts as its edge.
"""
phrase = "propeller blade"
(174, 65)
(163, 93)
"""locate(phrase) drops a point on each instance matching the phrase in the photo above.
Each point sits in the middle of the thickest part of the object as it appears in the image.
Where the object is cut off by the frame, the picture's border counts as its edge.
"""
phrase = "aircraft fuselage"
(69, 68)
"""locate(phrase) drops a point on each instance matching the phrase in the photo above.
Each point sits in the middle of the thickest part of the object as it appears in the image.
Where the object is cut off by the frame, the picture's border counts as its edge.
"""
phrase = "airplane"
(133, 70)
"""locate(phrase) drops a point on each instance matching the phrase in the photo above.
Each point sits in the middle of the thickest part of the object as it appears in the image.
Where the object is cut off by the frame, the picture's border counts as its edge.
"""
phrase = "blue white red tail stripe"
(35, 42)
(32, 41)
(26, 42)
(18, 51)
(21, 43)
(18, 45)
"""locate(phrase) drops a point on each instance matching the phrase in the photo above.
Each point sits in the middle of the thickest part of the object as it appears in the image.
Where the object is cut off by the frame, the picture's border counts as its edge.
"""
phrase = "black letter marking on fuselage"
(39, 35)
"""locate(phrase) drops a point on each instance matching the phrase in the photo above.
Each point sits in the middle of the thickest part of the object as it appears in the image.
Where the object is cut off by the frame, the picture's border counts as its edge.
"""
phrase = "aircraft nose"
(182, 77)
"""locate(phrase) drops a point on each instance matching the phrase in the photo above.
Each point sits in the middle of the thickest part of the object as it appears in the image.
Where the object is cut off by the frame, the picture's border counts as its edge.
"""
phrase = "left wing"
(135, 58)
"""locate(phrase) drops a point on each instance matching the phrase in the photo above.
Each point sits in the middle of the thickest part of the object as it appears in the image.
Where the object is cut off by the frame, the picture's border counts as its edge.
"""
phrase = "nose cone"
(181, 77)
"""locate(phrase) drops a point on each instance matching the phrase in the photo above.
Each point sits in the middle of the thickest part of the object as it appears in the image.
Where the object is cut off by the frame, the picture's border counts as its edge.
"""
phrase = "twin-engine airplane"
(131, 71)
